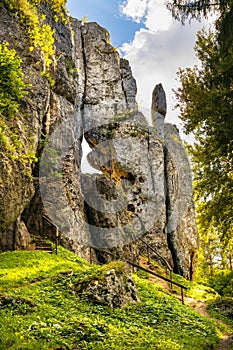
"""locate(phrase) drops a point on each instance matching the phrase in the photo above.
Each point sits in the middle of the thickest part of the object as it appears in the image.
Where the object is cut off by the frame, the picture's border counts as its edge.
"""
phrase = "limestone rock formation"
(16, 185)
(142, 185)
(133, 159)
(114, 289)
(158, 109)
(181, 230)
(43, 108)
(181, 226)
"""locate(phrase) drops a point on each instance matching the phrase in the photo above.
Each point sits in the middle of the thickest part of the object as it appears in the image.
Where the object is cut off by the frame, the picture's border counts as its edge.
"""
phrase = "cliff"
(141, 186)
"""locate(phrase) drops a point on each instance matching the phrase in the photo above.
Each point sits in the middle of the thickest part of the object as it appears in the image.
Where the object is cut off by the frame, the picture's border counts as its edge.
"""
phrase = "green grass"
(44, 312)
(222, 309)
(194, 290)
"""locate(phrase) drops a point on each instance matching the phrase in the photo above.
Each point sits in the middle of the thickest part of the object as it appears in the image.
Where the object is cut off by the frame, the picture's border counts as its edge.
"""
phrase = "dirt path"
(225, 342)
(200, 306)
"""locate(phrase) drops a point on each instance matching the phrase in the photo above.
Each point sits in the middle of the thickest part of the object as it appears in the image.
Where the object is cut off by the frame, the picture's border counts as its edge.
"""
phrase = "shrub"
(222, 282)
(222, 308)
(12, 86)
(40, 33)
(12, 91)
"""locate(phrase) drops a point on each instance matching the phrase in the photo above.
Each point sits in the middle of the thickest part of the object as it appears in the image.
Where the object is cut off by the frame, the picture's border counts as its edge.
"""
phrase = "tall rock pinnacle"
(158, 109)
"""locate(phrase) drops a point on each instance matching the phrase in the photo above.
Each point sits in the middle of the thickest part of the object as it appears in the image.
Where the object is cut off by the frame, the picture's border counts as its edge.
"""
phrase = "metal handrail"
(162, 277)
(182, 287)
(160, 256)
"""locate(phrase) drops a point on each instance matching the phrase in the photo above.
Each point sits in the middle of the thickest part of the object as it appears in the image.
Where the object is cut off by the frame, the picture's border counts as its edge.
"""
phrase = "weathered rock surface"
(181, 225)
(158, 110)
(16, 184)
(43, 109)
(159, 103)
(143, 185)
(16, 237)
(114, 289)
(128, 83)
(133, 159)
(110, 88)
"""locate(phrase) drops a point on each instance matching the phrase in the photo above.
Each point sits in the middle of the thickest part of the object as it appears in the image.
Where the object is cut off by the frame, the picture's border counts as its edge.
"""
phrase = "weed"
(40, 33)
(133, 133)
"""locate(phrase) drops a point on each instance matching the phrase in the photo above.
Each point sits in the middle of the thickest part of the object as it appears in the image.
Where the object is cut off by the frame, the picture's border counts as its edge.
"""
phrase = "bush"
(12, 91)
(222, 282)
(40, 33)
(222, 307)
(12, 86)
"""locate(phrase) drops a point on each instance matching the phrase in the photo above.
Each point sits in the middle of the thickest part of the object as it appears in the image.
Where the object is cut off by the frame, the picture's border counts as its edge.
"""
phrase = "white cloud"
(158, 50)
(135, 9)
(158, 18)
(155, 57)
(152, 13)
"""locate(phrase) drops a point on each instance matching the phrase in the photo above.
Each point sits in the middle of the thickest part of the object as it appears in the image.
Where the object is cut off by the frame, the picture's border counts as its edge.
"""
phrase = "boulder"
(113, 289)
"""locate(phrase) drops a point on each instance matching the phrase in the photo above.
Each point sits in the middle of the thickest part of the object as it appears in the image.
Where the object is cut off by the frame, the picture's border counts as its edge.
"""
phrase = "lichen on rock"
(112, 288)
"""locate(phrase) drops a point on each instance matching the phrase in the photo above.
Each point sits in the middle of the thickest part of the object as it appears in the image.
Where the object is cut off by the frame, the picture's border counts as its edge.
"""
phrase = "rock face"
(158, 109)
(113, 289)
(129, 157)
(17, 237)
(181, 228)
(142, 185)
(16, 184)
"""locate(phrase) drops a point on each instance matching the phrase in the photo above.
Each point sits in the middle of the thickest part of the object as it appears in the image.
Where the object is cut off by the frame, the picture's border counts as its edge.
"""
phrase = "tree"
(214, 257)
(183, 10)
(205, 99)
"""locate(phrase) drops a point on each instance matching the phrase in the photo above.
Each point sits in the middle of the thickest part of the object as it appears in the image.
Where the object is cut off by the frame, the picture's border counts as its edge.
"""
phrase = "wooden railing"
(156, 253)
(166, 263)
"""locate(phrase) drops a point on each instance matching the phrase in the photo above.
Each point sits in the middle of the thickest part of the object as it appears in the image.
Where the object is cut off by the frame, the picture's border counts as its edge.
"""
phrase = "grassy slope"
(60, 320)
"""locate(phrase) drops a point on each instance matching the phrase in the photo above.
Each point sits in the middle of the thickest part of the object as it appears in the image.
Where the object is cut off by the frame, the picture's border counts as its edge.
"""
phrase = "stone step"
(42, 245)
(44, 251)
(43, 248)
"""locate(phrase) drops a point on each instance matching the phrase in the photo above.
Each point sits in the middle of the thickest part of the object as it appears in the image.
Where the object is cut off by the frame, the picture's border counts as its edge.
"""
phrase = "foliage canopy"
(205, 99)
(183, 10)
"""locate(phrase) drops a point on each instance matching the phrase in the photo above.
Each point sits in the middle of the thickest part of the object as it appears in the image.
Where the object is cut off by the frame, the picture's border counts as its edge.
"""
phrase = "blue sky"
(107, 14)
(145, 33)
